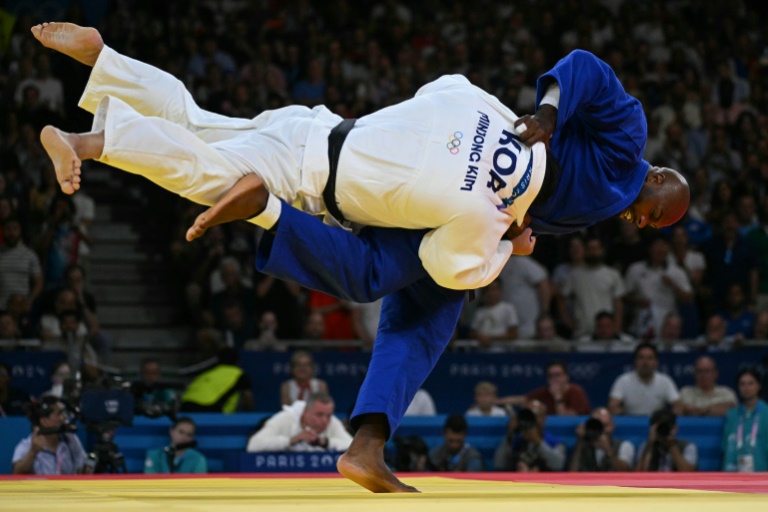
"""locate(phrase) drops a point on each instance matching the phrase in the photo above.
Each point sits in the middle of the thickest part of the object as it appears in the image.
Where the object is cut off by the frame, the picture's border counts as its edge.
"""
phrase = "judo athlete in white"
(448, 160)
(464, 185)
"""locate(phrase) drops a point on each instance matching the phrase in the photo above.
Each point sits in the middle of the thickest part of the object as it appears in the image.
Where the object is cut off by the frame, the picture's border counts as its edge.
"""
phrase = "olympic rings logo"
(454, 141)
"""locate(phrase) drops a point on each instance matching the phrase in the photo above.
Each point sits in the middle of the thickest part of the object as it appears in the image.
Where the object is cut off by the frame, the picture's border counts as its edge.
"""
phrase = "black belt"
(335, 142)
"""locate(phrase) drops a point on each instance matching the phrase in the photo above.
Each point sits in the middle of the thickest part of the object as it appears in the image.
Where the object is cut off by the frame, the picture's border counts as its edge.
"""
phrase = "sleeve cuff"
(552, 96)
(270, 215)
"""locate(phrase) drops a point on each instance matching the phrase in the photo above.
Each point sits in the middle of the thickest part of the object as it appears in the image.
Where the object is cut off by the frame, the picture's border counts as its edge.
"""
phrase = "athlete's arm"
(591, 93)
(466, 252)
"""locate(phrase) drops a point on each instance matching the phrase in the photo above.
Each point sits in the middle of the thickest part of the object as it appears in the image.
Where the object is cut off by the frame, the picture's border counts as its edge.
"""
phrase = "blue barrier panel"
(281, 462)
(12, 430)
(31, 371)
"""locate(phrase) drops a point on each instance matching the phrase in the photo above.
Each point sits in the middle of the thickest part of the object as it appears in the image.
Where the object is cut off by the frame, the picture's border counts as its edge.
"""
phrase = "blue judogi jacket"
(599, 142)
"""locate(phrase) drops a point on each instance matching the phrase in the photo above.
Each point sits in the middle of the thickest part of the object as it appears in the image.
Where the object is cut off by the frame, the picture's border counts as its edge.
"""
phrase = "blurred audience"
(303, 382)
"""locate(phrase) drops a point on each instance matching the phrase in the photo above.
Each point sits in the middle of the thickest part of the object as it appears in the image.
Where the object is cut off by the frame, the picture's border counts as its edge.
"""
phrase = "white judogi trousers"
(153, 128)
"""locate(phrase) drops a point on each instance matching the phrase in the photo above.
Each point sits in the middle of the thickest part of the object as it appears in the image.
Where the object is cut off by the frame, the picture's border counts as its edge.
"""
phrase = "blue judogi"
(599, 142)
(418, 317)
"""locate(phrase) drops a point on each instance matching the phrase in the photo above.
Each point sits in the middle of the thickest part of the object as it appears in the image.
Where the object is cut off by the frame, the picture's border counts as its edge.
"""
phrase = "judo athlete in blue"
(597, 137)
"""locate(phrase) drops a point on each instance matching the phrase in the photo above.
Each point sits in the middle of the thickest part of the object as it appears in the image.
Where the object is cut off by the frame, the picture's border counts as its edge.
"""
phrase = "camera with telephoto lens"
(526, 420)
(665, 422)
(593, 429)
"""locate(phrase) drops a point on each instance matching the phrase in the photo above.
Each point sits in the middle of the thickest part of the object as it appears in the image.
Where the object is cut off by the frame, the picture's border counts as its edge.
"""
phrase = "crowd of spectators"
(697, 67)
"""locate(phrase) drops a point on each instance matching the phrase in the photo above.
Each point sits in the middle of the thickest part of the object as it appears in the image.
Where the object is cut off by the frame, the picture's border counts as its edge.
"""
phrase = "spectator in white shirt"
(302, 427)
(422, 404)
(593, 287)
(644, 390)
(656, 288)
(706, 398)
(485, 399)
(527, 287)
(496, 319)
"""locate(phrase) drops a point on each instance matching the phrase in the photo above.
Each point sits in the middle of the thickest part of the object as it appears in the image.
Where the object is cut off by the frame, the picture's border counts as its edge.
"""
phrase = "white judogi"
(446, 160)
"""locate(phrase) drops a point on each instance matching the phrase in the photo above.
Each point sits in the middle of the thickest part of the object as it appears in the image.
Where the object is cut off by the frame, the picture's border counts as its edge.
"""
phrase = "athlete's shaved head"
(662, 201)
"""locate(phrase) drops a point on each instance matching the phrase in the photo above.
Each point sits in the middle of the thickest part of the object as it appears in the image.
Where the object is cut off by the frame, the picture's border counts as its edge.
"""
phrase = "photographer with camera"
(527, 446)
(597, 450)
(50, 449)
(455, 454)
(663, 451)
(179, 456)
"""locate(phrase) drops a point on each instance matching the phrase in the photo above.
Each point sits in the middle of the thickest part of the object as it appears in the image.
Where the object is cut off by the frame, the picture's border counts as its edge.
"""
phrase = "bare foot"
(370, 472)
(60, 146)
(247, 198)
(200, 226)
(83, 44)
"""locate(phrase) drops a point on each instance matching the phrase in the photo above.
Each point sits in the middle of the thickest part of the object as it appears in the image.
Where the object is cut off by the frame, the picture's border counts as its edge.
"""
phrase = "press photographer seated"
(597, 449)
(663, 451)
(528, 446)
(48, 450)
(179, 456)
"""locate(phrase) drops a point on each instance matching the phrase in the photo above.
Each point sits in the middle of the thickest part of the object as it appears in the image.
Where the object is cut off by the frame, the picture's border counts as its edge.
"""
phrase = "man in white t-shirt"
(706, 398)
(644, 390)
(656, 288)
(422, 404)
(496, 320)
(593, 287)
(526, 287)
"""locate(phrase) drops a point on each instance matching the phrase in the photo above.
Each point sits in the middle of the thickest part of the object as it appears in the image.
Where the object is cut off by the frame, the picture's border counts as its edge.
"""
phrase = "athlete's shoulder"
(442, 83)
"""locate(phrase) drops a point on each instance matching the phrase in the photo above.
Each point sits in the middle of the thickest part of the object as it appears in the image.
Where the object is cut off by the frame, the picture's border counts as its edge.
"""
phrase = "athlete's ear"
(655, 176)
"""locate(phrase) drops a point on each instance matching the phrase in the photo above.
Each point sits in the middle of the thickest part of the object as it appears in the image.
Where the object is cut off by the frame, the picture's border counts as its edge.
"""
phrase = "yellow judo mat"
(439, 494)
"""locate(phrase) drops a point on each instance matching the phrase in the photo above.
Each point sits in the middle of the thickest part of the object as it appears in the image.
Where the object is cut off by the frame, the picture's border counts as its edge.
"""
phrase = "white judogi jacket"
(445, 160)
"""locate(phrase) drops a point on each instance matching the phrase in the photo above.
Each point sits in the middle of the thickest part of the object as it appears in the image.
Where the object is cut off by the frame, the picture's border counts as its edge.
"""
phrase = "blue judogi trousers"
(418, 317)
